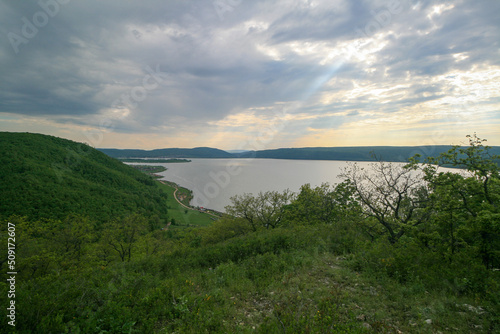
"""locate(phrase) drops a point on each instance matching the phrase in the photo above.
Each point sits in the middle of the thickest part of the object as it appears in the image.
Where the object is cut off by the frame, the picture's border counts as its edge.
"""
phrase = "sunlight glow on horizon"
(325, 74)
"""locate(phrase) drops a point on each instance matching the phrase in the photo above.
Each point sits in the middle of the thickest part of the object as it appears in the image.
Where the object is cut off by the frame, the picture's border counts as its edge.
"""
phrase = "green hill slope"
(47, 177)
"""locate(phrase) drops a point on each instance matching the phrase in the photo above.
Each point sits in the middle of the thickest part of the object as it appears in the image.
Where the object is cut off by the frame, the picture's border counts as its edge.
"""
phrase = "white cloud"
(344, 70)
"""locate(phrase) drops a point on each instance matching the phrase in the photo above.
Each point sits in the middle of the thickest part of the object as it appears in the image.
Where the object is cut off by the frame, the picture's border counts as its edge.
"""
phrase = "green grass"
(273, 281)
(184, 195)
(183, 216)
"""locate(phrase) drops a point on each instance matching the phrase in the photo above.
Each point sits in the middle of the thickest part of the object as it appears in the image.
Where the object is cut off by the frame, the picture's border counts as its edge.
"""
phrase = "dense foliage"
(48, 177)
(417, 251)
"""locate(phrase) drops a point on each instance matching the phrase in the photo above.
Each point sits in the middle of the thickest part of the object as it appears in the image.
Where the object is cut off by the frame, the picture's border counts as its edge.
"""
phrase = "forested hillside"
(48, 177)
(362, 153)
(391, 249)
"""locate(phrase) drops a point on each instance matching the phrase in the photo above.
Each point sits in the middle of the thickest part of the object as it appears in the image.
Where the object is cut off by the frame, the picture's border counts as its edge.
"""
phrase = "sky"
(250, 74)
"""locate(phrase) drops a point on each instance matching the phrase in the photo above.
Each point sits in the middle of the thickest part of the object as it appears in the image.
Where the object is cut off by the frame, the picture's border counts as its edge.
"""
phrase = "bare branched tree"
(392, 194)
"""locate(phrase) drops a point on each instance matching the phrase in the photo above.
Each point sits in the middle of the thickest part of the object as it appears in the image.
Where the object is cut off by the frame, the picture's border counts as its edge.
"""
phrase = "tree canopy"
(47, 177)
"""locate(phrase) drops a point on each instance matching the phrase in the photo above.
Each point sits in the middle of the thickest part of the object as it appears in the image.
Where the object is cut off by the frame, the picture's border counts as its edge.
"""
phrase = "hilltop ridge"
(354, 153)
(197, 152)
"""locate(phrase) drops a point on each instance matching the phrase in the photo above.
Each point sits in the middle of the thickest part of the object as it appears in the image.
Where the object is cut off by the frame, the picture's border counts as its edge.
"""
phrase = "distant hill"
(48, 177)
(363, 153)
(367, 153)
(198, 152)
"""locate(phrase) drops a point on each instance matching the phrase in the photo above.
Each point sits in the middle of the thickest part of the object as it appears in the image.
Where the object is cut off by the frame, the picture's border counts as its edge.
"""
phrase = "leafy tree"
(312, 205)
(264, 210)
(73, 235)
(120, 235)
(245, 207)
(478, 161)
(323, 204)
(467, 203)
(150, 244)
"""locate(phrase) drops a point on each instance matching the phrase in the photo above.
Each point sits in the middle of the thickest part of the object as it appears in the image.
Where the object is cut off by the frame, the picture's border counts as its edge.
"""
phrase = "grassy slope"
(294, 281)
(182, 216)
(279, 281)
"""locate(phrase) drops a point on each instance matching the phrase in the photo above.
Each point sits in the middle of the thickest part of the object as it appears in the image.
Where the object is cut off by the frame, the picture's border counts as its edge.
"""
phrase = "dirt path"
(188, 207)
(175, 196)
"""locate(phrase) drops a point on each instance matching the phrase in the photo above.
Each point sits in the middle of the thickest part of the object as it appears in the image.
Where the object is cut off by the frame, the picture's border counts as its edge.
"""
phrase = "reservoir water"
(214, 181)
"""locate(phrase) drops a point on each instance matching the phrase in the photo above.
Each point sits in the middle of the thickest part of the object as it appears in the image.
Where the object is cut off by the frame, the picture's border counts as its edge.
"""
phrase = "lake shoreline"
(214, 181)
(188, 205)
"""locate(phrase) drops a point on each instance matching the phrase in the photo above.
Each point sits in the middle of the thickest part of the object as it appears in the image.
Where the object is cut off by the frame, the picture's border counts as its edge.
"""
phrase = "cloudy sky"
(250, 74)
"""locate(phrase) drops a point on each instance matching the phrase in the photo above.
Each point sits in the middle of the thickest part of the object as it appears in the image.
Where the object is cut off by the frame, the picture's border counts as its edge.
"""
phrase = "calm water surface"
(214, 181)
